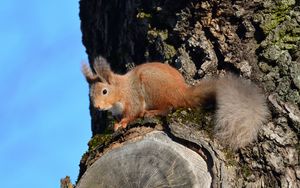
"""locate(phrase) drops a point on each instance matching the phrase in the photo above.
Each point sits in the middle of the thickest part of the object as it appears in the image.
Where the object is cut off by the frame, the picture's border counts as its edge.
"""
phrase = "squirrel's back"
(162, 85)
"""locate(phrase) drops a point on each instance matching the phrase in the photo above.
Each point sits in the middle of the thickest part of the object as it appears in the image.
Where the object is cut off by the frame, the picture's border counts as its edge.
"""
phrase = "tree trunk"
(259, 40)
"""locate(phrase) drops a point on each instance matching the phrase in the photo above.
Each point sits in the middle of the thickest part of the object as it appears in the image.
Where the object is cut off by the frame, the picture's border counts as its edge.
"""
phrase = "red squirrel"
(153, 89)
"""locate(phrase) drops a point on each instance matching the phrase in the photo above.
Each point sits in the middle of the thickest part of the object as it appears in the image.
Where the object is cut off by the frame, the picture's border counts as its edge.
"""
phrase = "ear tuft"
(88, 74)
(102, 68)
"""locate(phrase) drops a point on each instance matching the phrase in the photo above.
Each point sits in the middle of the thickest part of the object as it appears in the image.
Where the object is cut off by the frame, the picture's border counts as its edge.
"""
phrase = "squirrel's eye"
(104, 91)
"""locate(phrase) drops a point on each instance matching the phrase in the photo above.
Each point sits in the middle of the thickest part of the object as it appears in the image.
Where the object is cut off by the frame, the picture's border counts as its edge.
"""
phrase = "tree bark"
(258, 40)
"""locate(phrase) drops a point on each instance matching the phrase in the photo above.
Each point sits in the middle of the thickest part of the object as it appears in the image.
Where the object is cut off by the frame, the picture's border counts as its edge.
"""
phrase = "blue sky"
(44, 115)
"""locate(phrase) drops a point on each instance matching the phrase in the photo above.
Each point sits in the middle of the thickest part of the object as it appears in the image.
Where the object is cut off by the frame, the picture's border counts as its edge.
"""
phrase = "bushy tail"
(240, 108)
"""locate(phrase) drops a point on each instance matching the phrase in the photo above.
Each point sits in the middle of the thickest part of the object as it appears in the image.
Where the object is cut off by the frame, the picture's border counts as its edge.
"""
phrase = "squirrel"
(154, 89)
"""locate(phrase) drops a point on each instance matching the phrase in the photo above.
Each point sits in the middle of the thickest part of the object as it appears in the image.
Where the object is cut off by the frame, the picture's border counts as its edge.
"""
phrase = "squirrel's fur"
(155, 88)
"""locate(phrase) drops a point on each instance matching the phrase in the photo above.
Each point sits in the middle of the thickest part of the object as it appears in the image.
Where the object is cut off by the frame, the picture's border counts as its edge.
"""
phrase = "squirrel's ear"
(88, 74)
(102, 69)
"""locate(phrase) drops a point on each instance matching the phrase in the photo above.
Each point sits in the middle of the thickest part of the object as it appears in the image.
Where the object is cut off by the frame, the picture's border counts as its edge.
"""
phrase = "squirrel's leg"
(117, 126)
(120, 124)
(123, 123)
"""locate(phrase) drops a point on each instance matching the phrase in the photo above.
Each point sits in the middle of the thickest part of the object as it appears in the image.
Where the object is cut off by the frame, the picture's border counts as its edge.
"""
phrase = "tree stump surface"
(152, 161)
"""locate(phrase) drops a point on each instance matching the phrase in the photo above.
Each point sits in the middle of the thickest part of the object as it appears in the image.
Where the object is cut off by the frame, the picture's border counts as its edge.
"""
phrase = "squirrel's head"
(102, 93)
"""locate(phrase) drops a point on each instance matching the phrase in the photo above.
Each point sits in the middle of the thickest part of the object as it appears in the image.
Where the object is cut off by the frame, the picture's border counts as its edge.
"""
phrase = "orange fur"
(154, 89)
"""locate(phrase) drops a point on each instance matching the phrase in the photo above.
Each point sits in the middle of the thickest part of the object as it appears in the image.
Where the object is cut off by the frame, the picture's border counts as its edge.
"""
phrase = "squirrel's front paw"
(120, 125)
(117, 126)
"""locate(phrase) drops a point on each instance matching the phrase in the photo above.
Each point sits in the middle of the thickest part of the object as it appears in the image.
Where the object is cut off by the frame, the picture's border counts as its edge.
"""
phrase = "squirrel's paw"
(116, 126)
(121, 125)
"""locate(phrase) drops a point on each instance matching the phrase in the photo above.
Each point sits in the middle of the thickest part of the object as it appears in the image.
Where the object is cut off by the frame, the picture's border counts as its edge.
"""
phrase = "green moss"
(296, 31)
(285, 4)
(272, 52)
(287, 46)
(293, 96)
(197, 117)
(246, 171)
(98, 140)
(147, 121)
(154, 33)
(158, 38)
(279, 23)
(230, 157)
(283, 87)
(169, 51)
(289, 38)
(105, 136)
(275, 12)
(188, 115)
(265, 67)
(272, 22)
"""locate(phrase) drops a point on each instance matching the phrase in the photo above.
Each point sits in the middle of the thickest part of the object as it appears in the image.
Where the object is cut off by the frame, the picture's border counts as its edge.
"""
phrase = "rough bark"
(256, 39)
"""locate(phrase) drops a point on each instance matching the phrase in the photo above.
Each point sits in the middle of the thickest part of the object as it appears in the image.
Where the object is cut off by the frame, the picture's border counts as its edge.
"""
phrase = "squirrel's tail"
(241, 108)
